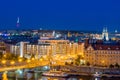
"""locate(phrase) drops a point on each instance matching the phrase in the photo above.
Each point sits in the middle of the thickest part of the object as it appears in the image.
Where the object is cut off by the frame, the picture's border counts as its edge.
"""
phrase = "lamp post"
(4, 62)
(12, 62)
(20, 60)
(28, 61)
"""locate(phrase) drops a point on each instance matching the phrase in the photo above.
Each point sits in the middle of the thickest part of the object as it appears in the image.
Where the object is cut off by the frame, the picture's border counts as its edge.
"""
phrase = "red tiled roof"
(106, 47)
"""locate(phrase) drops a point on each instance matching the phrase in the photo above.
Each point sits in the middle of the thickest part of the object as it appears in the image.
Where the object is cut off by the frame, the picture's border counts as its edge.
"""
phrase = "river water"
(71, 78)
(37, 76)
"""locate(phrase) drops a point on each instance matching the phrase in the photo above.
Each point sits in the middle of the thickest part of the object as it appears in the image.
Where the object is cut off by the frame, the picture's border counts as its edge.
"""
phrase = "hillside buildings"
(96, 49)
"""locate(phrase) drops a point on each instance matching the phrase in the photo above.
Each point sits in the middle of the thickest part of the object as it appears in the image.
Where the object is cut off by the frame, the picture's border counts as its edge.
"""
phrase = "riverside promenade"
(88, 70)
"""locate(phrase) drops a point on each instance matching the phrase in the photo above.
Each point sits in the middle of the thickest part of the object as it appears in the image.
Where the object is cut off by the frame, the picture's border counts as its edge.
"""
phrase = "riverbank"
(88, 70)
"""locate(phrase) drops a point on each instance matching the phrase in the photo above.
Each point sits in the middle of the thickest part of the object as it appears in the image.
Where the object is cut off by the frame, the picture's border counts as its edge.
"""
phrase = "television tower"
(18, 22)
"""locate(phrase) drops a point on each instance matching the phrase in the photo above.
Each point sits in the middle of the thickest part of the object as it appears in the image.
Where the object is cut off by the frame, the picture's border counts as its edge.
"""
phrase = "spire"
(116, 31)
(105, 34)
(18, 22)
(106, 29)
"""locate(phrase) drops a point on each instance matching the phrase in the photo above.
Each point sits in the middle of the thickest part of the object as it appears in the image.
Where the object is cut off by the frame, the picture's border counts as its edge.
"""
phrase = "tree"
(71, 63)
(66, 63)
(111, 66)
(88, 63)
(77, 60)
(117, 65)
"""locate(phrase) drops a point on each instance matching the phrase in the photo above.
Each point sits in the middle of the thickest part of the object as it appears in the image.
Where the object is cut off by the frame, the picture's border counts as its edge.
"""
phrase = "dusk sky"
(61, 14)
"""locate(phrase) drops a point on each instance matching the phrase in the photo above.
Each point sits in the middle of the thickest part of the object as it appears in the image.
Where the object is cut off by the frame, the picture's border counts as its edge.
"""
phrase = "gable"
(90, 47)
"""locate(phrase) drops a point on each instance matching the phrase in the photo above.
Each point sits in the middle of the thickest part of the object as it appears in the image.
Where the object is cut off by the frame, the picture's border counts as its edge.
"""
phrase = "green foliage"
(77, 60)
(88, 63)
(111, 66)
(71, 63)
(117, 65)
(9, 56)
(24, 59)
(32, 56)
(1, 55)
(66, 63)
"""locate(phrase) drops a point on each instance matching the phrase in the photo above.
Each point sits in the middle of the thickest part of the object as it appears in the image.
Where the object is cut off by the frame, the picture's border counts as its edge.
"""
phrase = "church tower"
(105, 34)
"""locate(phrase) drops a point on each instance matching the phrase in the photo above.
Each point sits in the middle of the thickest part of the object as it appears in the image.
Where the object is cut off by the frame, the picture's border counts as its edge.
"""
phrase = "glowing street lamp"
(3, 61)
(4, 55)
(12, 62)
(33, 59)
(20, 60)
(28, 61)
(41, 59)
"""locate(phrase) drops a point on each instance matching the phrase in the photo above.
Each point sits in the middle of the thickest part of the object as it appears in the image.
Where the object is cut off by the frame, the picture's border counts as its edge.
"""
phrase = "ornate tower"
(105, 34)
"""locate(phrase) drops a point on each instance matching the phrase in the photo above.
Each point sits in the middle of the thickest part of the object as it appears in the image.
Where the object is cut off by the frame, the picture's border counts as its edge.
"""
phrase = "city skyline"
(59, 39)
(61, 15)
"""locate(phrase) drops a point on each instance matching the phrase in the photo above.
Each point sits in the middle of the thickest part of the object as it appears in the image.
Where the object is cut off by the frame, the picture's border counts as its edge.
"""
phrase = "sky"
(60, 14)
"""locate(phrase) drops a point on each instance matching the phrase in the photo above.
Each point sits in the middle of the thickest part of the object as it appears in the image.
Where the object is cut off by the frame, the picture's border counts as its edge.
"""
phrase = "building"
(2, 47)
(19, 49)
(105, 34)
(48, 48)
(102, 54)
(64, 47)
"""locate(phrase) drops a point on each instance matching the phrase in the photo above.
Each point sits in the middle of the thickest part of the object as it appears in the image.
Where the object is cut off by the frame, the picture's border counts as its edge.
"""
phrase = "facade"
(57, 46)
(2, 47)
(19, 49)
(64, 47)
(102, 54)
(47, 47)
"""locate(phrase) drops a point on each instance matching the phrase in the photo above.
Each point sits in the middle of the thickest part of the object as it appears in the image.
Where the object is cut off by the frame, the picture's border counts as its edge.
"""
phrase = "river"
(37, 76)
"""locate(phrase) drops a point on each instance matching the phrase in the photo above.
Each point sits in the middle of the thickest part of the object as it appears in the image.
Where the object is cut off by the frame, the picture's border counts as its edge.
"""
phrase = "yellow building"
(63, 47)
(102, 54)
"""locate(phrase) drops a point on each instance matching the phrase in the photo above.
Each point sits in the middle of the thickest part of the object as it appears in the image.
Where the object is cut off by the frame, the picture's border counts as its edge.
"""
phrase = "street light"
(41, 59)
(12, 62)
(28, 61)
(20, 60)
(3, 61)
(4, 55)
(33, 59)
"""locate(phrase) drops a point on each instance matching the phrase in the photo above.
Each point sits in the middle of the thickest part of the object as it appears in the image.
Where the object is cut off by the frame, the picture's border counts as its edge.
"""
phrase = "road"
(16, 66)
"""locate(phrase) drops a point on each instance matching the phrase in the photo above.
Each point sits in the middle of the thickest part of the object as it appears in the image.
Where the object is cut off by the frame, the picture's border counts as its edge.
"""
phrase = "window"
(108, 48)
(117, 48)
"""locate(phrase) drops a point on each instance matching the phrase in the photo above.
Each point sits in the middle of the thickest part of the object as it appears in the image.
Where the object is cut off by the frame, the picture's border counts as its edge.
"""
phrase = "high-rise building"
(18, 22)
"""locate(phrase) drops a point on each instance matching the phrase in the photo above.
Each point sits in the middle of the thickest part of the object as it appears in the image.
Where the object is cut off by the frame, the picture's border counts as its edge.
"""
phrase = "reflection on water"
(4, 76)
(97, 78)
(78, 78)
(71, 78)
(37, 76)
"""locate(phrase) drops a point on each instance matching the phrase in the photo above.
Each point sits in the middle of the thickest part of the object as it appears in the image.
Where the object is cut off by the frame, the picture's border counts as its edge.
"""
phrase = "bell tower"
(105, 35)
